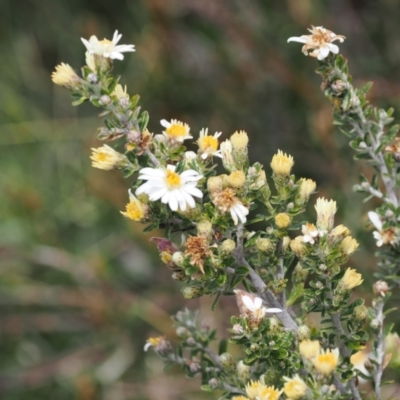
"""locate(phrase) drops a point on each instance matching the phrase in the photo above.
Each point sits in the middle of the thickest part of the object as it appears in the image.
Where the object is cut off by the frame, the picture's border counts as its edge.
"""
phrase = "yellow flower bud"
(298, 247)
(239, 140)
(303, 333)
(65, 76)
(227, 247)
(135, 209)
(237, 179)
(325, 213)
(294, 388)
(282, 220)
(204, 228)
(285, 243)
(106, 158)
(350, 280)
(264, 245)
(309, 349)
(349, 245)
(214, 184)
(282, 163)
(307, 187)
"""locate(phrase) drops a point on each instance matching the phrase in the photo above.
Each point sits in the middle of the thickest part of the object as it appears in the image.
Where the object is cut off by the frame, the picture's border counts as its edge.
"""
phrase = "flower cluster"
(222, 248)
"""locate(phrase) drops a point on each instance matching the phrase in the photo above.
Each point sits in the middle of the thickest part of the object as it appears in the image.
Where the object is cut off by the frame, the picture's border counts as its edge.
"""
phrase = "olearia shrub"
(280, 273)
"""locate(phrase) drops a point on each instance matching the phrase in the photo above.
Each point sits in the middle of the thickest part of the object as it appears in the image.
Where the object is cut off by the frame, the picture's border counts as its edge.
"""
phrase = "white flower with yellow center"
(176, 190)
(107, 48)
(208, 145)
(175, 130)
(319, 43)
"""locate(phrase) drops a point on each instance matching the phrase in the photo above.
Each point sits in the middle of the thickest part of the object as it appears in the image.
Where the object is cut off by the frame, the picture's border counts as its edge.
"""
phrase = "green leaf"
(296, 293)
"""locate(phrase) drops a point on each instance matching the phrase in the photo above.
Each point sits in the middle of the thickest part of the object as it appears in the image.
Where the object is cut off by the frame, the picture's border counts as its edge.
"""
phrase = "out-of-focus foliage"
(80, 289)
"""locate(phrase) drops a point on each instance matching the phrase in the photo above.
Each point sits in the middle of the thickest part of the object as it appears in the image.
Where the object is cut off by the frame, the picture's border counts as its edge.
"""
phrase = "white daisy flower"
(107, 48)
(176, 190)
(208, 145)
(319, 43)
(176, 130)
(256, 308)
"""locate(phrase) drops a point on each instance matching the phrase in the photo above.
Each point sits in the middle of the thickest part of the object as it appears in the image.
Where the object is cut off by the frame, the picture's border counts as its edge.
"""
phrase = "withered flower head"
(198, 250)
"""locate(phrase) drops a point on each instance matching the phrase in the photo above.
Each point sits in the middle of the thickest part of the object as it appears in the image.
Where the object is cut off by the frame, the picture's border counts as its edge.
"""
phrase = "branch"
(260, 286)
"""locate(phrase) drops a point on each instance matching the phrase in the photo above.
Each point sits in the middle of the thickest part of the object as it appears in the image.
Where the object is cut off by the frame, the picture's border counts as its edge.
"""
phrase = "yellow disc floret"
(173, 179)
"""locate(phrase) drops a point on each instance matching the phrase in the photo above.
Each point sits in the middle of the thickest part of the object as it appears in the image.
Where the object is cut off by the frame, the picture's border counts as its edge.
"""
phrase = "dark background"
(81, 288)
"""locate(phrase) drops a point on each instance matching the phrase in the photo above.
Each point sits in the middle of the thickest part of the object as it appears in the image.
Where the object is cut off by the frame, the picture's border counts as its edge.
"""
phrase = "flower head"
(65, 76)
(282, 163)
(251, 307)
(176, 190)
(120, 92)
(349, 245)
(307, 186)
(294, 388)
(309, 349)
(227, 155)
(382, 236)
(107, 48)
(319, 43)
(310, 233)
(325, 213)
(282, 220)
(105, 157)
(297, 246)
(237, 179)
(208, 145)
(350, 280)
(176, 131)
(258, 391)
(135, 209)
(160, 344)
(326, 362)
(198, 250)
(226, 200)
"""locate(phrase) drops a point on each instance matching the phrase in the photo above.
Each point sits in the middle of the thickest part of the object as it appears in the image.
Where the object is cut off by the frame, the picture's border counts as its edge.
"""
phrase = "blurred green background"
(81, 288)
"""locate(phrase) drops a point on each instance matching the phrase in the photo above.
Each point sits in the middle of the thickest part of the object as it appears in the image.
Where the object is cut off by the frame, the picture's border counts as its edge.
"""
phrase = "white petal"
(333, 48)
(157, 193)
(323, 53)
(182, 202)
(273, 310)
(116, 38)
(300, 39)
(173, 202)
(234, 216)
(257, 303)
(194, 191)
(248, 302)
(165, 197)
(165, 123)
(188, 198)
(375, 219)
(147, 346)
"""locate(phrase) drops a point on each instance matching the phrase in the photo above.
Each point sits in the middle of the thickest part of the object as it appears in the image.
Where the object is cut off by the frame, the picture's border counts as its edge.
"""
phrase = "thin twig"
(380, 352)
